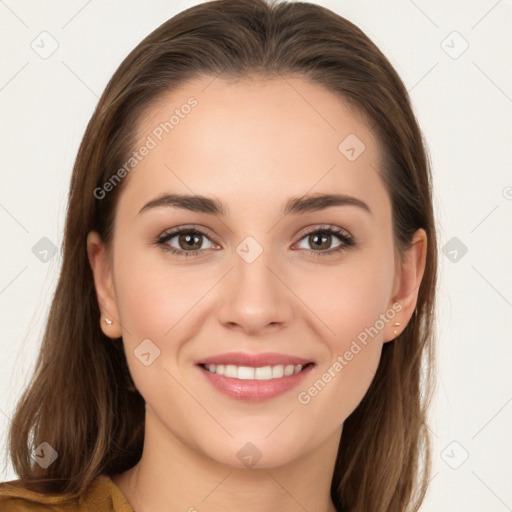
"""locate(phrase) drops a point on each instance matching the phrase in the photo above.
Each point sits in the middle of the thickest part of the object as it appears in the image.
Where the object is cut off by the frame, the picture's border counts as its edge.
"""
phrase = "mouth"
(255, 373)
(254, 378)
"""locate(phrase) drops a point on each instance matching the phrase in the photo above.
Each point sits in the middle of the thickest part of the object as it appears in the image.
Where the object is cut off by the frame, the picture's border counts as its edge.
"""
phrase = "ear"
(101, 266)
(408, 278)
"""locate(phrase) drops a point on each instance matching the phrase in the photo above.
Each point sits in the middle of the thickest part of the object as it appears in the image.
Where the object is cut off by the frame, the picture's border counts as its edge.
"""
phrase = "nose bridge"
(255, 296)
(252, 272)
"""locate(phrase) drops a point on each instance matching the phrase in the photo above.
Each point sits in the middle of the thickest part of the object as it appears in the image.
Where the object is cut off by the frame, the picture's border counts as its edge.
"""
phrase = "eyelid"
(313, 228)
(187, 227)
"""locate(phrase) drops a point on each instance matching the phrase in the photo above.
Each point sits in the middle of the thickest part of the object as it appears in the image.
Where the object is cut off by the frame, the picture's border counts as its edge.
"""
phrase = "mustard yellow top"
(102, 495)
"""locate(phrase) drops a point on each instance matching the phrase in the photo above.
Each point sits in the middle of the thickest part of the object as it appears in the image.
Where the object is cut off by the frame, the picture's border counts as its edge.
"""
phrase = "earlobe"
(407, 283)
(104, 284)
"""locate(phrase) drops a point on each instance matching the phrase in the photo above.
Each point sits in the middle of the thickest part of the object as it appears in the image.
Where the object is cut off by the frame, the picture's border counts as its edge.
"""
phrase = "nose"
(254, 295)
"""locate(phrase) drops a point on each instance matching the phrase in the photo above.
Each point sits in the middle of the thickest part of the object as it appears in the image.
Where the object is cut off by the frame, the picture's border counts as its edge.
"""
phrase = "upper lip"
(254, 360)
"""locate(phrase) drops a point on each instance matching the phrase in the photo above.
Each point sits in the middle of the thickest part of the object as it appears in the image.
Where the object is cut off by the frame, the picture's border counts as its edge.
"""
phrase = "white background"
(464, 107)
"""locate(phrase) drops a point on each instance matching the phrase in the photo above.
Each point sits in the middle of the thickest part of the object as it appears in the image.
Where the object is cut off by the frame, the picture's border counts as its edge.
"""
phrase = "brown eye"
(320, 241)
(190, 241)
(185, 241)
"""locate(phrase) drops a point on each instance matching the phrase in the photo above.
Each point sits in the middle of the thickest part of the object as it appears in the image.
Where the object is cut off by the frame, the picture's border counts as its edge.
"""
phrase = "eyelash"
(343, 235)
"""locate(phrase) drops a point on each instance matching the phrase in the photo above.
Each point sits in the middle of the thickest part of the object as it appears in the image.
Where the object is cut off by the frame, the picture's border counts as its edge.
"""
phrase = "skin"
(251, 144)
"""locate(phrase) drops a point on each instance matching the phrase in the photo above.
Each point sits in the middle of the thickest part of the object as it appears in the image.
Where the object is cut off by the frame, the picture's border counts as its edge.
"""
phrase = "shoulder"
(15, 497)
(102, 496)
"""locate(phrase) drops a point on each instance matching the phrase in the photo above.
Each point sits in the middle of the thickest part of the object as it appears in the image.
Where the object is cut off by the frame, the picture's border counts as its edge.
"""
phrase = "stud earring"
(108, 321)
(396, 324)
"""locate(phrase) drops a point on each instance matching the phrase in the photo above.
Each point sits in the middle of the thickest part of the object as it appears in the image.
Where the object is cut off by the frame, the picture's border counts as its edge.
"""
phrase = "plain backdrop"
(453, 59)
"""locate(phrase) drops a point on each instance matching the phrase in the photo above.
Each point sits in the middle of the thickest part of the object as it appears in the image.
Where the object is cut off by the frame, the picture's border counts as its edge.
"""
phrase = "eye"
(189, 241)
(322, 239)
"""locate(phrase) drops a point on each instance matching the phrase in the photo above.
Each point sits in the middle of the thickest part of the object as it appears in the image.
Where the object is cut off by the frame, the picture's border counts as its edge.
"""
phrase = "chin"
(254, 451)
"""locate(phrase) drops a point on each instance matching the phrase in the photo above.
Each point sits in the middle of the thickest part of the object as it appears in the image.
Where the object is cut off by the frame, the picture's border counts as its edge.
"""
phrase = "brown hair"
(78, 400)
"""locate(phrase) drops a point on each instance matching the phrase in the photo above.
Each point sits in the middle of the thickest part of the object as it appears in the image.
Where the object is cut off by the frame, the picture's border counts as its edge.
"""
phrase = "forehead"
(255, 137)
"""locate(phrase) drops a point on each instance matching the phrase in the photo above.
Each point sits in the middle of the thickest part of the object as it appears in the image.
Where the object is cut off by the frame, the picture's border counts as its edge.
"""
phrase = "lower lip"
(254, 390)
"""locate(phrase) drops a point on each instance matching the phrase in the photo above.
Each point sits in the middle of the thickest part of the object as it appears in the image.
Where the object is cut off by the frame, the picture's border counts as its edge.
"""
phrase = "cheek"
(351, 296)
(152, 294)
(142, 297)
(155, 302)
(354, 304)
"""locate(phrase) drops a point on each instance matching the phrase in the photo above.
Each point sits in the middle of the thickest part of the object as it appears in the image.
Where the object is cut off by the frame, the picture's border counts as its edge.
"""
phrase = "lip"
(254, 360)
(254, 390)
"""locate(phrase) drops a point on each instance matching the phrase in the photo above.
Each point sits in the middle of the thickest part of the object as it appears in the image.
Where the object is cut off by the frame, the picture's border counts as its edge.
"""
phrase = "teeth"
(244, 372)
(264, 373)
(231, 371)
(277, 371)
(288, 370)
(250, 373)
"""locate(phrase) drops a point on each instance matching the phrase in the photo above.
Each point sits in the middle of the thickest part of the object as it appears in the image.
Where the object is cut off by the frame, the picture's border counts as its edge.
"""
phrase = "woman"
(246, 297)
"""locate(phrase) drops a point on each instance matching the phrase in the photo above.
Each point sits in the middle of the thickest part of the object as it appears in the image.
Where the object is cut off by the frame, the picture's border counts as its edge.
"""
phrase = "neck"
(173, 476)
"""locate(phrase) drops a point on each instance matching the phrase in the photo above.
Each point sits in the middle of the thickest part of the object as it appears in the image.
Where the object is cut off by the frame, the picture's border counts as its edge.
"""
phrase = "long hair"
(79, 401)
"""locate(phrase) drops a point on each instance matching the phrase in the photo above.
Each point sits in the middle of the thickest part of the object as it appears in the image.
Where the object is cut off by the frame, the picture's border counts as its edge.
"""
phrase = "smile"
(250, 373)
(257, 382)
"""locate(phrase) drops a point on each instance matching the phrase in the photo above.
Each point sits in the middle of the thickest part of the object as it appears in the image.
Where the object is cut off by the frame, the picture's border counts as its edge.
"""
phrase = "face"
(215, 318)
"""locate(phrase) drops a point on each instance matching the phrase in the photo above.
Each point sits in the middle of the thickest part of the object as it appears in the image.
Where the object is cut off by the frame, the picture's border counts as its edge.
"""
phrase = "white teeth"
(231, 371)
(277, 371)
(246, 373)
(264, 373)
(289, 369)
(250, 373)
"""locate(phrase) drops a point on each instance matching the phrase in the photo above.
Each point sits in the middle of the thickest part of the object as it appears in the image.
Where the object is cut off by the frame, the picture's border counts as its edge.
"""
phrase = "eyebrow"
(294, 205)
